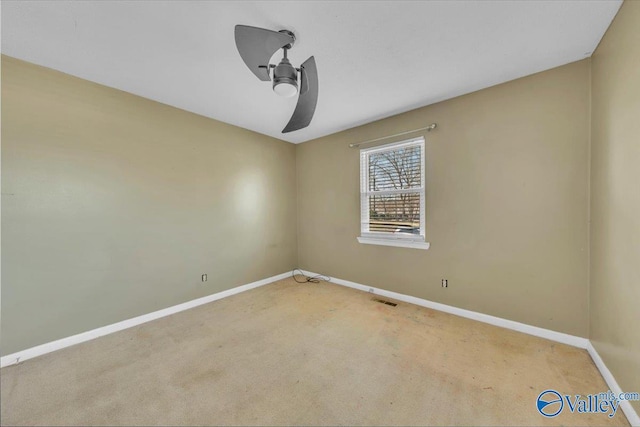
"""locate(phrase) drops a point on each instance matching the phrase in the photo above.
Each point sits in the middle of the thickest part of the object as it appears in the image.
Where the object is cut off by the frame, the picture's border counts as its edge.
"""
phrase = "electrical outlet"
(204, 277)
(445, 283)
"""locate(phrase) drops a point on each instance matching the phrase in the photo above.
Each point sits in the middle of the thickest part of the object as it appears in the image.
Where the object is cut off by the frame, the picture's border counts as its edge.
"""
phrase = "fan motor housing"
(285, 73)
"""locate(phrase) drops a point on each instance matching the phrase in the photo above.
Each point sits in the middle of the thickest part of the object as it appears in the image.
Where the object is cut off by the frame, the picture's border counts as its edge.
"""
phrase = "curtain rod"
(429, 128)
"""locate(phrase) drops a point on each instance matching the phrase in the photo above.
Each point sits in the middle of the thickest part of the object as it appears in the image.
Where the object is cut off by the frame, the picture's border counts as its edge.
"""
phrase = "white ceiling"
(375, 59)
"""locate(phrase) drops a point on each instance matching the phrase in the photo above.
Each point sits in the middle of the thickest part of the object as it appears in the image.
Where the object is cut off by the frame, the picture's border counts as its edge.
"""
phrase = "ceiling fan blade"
(257, 46)
(308, 98)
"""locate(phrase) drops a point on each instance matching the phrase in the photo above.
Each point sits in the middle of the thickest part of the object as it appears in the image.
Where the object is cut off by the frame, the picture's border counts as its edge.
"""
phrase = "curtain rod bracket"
(429, 128)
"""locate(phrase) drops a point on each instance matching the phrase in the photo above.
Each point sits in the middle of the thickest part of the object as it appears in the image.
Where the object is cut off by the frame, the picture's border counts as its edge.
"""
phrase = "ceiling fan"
(257, 46)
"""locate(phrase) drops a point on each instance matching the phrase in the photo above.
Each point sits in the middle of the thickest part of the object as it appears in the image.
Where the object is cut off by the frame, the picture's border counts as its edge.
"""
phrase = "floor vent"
(381, 301)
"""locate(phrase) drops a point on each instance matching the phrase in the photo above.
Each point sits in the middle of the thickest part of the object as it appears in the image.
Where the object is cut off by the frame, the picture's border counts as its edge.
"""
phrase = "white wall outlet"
(445, 283)
(204, 277)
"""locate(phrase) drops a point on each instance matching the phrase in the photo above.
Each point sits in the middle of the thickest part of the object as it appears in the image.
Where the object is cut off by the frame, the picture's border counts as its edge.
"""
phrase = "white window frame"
(389, 239)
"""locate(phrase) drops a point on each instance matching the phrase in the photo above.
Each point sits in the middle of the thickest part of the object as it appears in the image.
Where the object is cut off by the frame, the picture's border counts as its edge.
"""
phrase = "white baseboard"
(632, 415)
(572, 340)
(481, 317)
(12, 359)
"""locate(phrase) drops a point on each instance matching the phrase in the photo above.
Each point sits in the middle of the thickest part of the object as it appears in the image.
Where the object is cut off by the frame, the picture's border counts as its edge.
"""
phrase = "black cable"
(309, 279)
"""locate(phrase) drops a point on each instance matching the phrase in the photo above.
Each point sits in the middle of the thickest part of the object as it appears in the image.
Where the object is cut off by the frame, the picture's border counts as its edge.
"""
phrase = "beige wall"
(507, 203)
(615, 199)
(113, 205)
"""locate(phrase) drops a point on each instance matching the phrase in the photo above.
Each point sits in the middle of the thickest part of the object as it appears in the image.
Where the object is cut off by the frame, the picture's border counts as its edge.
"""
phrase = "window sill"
(394, 242)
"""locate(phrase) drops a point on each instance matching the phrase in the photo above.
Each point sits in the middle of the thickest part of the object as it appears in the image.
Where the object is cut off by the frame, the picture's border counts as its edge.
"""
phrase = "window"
(392, 194)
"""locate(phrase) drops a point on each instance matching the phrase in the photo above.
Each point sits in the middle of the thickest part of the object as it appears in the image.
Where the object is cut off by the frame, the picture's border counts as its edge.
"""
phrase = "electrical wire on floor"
(308, 279)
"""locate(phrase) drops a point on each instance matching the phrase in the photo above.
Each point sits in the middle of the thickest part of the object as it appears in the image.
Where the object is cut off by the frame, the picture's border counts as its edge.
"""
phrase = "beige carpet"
(290, 353)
